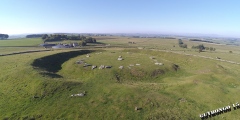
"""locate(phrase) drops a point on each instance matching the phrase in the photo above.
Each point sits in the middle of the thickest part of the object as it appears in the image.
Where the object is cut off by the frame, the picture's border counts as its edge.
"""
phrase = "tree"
(94, 40)
(183, 45)
(201, 47)
(211, 49)
(44, 36)
(83, 43)
(4, 36)
(180, 41)
(34, 35)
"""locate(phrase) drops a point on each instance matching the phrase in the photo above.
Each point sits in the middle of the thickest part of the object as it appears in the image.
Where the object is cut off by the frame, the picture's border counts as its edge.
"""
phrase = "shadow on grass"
(52, 64)
(52, 75)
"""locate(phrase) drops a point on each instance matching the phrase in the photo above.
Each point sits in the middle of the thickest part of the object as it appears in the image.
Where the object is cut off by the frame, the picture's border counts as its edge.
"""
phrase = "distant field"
(16, 45)
(21, 42)
(40, 85)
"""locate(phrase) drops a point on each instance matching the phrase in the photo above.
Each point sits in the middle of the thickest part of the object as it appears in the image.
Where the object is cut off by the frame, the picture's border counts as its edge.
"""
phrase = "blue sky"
(219, 17)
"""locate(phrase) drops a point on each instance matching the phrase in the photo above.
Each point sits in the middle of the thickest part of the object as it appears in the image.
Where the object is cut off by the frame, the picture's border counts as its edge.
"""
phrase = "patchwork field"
(46, 85)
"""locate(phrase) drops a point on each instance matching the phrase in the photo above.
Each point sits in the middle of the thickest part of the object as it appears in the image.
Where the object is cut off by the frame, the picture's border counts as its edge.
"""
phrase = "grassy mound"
(136, 66)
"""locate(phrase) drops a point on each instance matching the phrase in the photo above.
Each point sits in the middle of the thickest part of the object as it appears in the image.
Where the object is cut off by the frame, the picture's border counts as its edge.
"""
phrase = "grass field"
(40, 85)
(21, 42)
(17, 45)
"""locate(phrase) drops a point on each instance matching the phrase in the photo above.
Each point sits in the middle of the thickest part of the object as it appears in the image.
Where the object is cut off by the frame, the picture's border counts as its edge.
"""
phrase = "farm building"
(60, 46)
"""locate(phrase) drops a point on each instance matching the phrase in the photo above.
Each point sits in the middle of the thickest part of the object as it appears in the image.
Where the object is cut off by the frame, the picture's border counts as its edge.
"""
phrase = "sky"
(211, 17)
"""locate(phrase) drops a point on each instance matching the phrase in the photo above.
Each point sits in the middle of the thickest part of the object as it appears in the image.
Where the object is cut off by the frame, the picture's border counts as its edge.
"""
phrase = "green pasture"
(21, 42)
(39, 85)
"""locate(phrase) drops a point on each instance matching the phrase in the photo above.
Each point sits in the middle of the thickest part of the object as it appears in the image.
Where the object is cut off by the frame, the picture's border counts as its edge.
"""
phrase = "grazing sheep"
(137, 64)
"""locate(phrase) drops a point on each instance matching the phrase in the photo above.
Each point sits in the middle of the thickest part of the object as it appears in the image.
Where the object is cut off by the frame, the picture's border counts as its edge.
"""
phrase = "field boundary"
(23, 52)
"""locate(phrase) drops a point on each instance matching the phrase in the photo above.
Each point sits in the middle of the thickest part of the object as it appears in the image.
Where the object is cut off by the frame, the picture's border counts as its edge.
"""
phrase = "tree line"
(202, 47)
(60, 37)
(34, 35)
(4, 36)
(181, 44)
